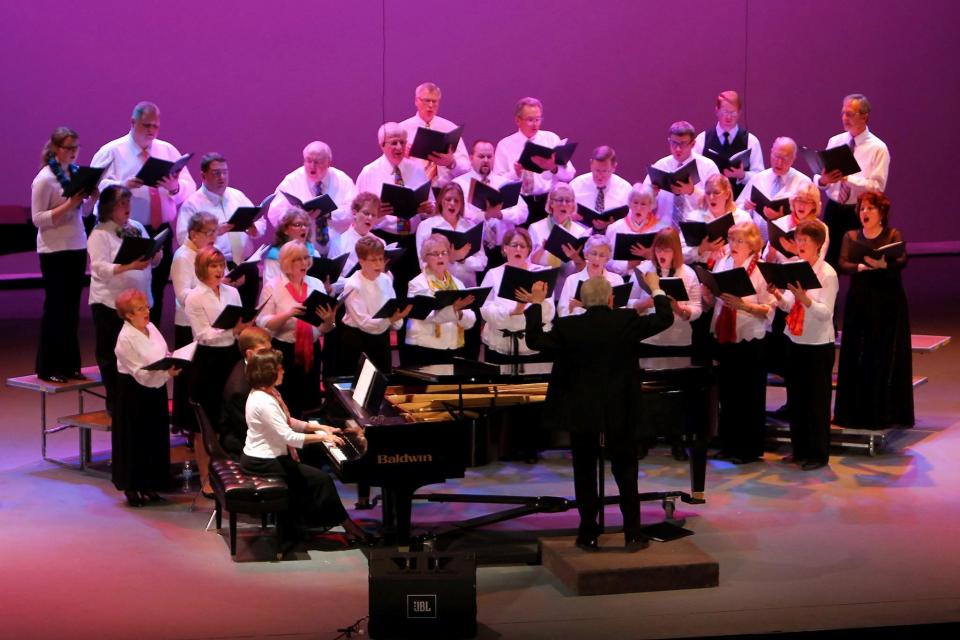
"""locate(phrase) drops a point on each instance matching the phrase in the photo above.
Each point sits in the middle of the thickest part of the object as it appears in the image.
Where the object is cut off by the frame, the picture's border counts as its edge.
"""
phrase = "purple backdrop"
(256, 81)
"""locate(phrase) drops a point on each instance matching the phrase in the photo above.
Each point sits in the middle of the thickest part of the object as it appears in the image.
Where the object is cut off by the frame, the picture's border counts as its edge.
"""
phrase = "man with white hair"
(441, 168)
(528, 115)
(316, 178)
(594, 391)
(780, 181)
(393, 167)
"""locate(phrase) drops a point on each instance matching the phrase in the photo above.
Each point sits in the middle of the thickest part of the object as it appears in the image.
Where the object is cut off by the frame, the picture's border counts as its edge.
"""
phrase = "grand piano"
(402, 437)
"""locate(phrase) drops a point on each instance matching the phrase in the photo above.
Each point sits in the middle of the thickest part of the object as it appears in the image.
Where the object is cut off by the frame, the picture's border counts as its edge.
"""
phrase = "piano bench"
(237, 491)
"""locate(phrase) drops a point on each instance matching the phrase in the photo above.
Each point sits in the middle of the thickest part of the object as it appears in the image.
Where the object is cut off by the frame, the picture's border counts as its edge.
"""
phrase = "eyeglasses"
(679, 144)
(562, 200)
(437, 254)
(298, 225)
(218, 173)
(726, 113)
(518, 245)
(69, 147)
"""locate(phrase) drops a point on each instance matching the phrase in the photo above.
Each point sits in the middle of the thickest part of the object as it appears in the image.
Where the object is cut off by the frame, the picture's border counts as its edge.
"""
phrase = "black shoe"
(54, 379)
(588, 543)
(133, 498)
(76, 375)
(679, 452)
(792, 459)
(151, 496)
(811, 465)
(636, 541)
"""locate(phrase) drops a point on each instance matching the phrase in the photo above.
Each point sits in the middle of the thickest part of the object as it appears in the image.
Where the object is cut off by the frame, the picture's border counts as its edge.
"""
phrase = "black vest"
(713, 149)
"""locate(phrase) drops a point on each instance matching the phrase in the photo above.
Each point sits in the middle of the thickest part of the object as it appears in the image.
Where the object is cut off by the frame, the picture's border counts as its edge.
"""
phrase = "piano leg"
(397, 507)
(701, 425)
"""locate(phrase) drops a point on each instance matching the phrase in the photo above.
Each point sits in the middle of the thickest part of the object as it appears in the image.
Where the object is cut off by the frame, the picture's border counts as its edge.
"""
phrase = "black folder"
(536, 207)
(315, 300)
(422, 307)
(673, 287)
(480, 194)
(741, 158)
(249, 266)
(406, 240)
(515, 278)
(694, 232)
(666, 179)
(857, 251)
(324, 204)
(734, 281)
(427, 141)
(232, 314)
(780, 275)
(323, 268)
(446, 298)
(829, 159)
(563, 151)
(777, 237)
(84, 180)
(405, 201)
(132, 249)
(621, 293)
(244, 217)
(180, 358)
(758, 198)
(154, 169)
(559, 237)
(607, 215)
(473, 236)
(624, 241)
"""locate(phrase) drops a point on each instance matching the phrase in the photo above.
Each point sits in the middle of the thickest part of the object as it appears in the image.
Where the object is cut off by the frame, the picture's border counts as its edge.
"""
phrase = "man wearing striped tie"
(441, 168)
(842, 192)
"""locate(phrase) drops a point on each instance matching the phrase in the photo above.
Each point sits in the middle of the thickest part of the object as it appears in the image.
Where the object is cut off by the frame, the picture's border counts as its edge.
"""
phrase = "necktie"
(777, 185)
(323, 232)
(430, 168)
(398, 180)
(156, 211)
(679, 209)
(601, 204)
(726, 140)
(397, 176)
(844, 193)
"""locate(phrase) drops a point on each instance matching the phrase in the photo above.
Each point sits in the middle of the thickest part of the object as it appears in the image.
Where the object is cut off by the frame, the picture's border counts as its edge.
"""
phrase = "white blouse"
(818, 317)
(679, 334)
(203, 306)
(68, 233)
(135, 350)
(540, 231)
(363, 298)
(749, 326)
(183, 274)
(268, 432)
(468, 268)
(277, 299)
(623, 226)
(105, 284)
(423, 333)
(497, 317)
(570, 288)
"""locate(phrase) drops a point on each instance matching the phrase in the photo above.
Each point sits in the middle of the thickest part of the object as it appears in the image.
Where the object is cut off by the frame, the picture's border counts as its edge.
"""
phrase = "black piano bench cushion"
(236, 490)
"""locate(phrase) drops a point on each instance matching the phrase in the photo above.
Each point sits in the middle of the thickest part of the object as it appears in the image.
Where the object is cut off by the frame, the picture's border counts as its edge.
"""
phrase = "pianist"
(271, 432)
(593, 391)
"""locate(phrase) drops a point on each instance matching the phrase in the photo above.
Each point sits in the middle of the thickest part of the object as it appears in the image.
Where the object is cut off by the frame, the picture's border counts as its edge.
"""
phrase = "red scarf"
(726, 327)
(303, 345)
(795, 318)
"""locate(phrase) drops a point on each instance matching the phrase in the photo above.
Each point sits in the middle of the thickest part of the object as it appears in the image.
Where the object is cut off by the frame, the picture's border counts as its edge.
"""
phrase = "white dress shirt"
(763, 181)
(679, 334)
(337, 184)
(363, 298)
(615, 194)
(268, 431)
(874, 159)
(203, 307)
(623, 226)
(346, 242)
(540, 231)
(423, 333)
(756, 153)
(235, 245)
(373, 175)
(276, 299)
(461, 159)
(105, 285)
(570, 289)
(495, 228)
(509, 150)
(68, 233)
(125, 158)
(135, 350)
(468, 268)
(497, 317)
(665, 199)
(818, 317)
(749, 326)
(183, 274)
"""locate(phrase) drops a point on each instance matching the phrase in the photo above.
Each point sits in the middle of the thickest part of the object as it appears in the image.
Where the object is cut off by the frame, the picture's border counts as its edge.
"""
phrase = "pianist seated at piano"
(282, 301)
(597, 253)
(364, 293)
(503, 329)
(273, 436)
(439, 337)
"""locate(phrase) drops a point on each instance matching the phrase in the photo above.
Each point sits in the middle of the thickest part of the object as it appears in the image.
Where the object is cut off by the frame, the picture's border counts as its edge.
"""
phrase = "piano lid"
(475, 372)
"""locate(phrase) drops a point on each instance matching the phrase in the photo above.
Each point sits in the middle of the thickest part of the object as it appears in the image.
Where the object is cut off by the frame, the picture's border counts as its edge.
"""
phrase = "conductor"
(594, 390)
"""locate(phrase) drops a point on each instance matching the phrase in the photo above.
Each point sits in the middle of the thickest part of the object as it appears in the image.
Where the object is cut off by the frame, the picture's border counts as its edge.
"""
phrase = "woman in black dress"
(875, 377)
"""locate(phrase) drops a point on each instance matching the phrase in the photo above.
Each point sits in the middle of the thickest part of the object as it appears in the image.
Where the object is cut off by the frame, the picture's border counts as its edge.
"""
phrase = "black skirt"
(208, 375)
(140, 437)
(313, 495)
(301, 388)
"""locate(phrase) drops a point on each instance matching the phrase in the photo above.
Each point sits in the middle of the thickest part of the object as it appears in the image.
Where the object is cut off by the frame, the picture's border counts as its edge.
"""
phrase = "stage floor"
(866, 542)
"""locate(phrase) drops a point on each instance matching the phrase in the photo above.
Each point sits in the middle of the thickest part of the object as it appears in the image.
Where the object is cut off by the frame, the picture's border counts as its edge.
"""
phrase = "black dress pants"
(106, 325)
(586, 451)
(58, 353)
(809, 391)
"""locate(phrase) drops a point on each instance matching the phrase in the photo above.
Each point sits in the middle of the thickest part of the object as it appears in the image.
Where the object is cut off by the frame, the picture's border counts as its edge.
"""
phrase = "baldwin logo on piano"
(404, 458)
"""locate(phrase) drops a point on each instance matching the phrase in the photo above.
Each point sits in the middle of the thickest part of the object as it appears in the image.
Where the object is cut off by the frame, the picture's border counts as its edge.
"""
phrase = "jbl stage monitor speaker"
(422, 594)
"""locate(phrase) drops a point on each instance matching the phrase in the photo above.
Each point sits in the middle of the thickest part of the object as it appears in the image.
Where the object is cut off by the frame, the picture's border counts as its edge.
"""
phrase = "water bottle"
(187, 475)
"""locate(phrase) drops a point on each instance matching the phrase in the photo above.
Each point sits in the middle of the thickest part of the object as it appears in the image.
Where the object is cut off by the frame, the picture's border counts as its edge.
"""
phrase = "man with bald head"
(780, 181)
(441, 168)
(153, 207)
(316, 178)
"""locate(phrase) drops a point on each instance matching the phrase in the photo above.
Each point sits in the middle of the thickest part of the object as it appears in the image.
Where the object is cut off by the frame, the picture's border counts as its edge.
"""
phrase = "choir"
(318, 211)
